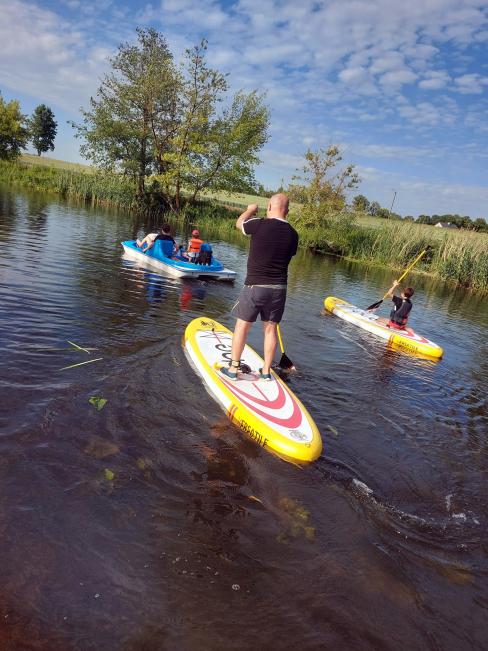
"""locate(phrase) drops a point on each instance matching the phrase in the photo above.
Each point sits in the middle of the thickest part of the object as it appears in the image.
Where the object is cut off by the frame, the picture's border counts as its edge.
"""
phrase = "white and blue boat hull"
(177, 268)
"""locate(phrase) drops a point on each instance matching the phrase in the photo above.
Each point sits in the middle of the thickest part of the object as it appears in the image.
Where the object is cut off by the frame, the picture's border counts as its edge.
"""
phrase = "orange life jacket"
(194, 245)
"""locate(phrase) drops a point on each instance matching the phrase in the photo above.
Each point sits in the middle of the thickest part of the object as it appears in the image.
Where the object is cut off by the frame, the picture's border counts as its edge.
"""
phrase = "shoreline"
(459, 258)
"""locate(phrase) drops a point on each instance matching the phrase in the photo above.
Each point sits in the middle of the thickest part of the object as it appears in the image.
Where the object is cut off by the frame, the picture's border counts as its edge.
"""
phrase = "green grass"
(459, 256)
(71, 182)
(31, 159)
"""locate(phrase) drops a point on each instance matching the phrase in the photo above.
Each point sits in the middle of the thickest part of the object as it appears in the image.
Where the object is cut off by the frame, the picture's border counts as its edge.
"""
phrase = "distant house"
(445, 225)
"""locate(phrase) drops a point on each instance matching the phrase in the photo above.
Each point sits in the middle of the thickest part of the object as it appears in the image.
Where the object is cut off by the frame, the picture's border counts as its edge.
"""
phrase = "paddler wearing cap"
(194, 246)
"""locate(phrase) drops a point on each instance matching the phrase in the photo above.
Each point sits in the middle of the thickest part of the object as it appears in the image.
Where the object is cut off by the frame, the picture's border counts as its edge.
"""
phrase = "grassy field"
(31, 159)
(69, 180)
(457, 255)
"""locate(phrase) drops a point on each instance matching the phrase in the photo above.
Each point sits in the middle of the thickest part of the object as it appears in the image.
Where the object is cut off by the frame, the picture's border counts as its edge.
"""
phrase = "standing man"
(273, 243)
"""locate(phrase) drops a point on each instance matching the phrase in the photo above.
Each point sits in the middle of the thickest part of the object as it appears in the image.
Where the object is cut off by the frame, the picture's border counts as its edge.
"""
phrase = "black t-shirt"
(273, 244)
(164, 237)
(402, 308)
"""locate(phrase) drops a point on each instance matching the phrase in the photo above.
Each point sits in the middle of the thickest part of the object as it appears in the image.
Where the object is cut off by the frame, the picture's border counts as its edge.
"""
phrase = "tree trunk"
(142, 170)
(177, 196)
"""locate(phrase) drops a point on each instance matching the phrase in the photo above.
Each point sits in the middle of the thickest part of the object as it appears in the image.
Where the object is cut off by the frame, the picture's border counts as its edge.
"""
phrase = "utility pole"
(391, 207)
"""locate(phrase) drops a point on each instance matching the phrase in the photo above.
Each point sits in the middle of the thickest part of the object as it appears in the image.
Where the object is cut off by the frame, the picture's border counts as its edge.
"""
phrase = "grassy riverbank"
(71, 181)
(457, 256)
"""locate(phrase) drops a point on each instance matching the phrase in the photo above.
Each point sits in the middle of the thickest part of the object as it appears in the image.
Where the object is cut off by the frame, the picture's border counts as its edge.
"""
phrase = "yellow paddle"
(421, 255)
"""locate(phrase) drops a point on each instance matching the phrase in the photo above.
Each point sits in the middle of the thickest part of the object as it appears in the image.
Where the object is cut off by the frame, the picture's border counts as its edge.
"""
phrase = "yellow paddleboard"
(267, 411)
(406, 340)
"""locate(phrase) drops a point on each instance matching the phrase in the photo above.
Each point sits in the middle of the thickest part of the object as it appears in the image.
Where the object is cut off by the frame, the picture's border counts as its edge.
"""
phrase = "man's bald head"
(278, 205)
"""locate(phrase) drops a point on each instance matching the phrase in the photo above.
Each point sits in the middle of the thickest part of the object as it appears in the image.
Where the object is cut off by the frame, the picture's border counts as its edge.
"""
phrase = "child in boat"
(181, 254)
(194, 246)
(205, 256)
(402, 306)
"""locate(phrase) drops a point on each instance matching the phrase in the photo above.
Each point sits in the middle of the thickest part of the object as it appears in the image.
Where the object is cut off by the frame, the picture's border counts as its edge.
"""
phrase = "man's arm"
(391, 291)
(250, 211)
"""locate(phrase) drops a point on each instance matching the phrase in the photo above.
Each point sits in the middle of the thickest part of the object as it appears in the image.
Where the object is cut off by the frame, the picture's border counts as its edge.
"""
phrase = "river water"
(153, 524)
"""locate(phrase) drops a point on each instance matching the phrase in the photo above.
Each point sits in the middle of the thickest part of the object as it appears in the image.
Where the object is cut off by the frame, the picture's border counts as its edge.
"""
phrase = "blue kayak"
(158, 258)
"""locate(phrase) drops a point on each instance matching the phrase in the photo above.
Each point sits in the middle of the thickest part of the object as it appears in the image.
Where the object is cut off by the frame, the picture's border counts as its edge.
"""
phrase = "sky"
(401, 87)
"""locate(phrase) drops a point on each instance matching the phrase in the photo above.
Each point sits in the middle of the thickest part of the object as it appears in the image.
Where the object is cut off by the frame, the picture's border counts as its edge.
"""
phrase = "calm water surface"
(152, 524)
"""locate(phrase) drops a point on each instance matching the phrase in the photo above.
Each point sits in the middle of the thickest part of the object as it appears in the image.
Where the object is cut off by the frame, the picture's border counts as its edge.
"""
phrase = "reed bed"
(458, 256)
(95, 187)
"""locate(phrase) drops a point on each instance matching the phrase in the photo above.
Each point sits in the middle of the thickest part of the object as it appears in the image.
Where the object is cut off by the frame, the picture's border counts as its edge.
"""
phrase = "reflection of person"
(402, 306)
(273, 243)
(194, 246)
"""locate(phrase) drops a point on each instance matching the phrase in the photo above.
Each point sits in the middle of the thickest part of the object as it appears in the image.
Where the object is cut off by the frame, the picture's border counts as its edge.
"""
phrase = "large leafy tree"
(14, 133)
(43, 129)
(153, 119)
(212, 149)
(132, 116)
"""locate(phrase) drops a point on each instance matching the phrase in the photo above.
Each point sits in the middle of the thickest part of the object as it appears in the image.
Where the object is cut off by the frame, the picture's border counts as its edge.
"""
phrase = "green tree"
(153, 119)
(132, 118)
(14, 133)
(321, 190)
(211, 149)
(43, 129)
(374, 207)
(480, 225)
(321, 186)
(383, 213)
(360, 203)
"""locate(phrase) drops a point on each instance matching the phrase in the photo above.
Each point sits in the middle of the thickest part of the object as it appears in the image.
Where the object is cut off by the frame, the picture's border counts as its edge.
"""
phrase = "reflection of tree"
(9, 209)
(36, 212)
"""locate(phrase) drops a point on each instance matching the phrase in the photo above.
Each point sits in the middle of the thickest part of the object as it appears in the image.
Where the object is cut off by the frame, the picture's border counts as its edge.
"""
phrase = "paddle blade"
(374, 306)
(286, 364)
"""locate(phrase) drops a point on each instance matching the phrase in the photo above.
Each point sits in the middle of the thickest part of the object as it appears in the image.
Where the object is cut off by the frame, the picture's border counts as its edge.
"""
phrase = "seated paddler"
(402, 306)
(194, 246)
(164, 235)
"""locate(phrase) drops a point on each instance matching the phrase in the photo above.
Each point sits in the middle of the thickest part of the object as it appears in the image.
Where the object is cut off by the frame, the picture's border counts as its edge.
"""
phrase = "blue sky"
(401, 86)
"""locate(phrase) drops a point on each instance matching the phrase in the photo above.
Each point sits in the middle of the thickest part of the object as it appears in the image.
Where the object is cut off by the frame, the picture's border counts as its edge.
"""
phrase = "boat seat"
(162, 248)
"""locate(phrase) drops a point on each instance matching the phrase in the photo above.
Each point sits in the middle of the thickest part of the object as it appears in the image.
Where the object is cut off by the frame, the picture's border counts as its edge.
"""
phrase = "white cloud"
(396, 78)
(45, 56)
(434, 80)
(471, 84)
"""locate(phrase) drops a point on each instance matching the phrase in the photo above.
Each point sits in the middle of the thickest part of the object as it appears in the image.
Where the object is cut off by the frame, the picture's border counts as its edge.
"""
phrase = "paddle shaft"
(285, 362)
(407, 270)
(282, 348)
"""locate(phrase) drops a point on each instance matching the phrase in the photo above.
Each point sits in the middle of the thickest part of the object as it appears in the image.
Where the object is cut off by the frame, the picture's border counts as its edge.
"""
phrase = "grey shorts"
(265, 301)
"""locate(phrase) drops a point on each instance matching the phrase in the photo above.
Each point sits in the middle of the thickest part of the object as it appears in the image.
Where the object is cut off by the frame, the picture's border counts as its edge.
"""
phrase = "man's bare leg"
(270, 343)
(240, 337)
